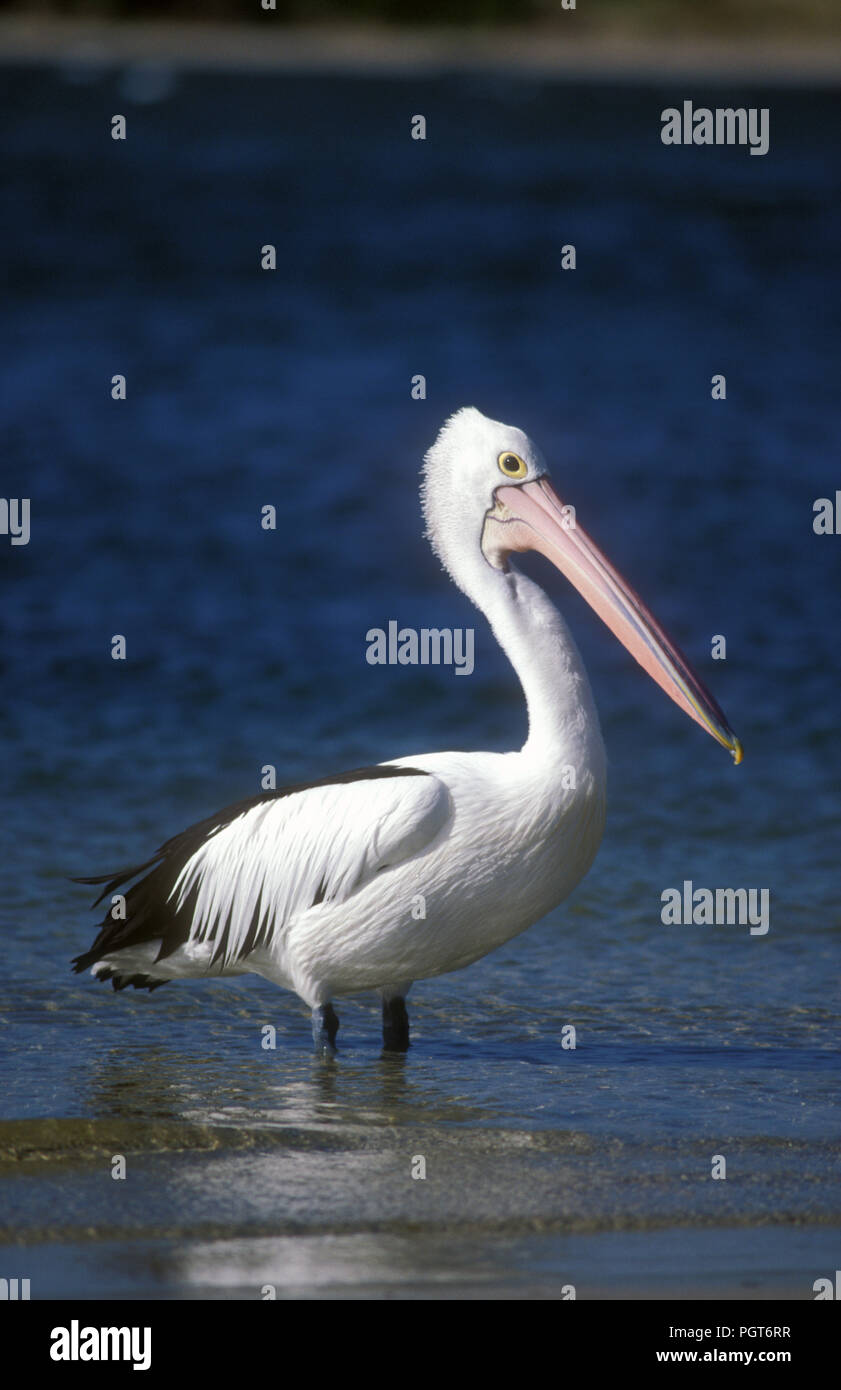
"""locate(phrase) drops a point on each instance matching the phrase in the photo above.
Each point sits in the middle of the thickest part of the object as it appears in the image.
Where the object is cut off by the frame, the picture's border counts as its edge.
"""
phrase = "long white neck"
(563, 722)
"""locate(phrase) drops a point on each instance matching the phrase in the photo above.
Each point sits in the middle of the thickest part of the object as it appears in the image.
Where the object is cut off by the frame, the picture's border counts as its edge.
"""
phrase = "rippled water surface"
(545, 1166)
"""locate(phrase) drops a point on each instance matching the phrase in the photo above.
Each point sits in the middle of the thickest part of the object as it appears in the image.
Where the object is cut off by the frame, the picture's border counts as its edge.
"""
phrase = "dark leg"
(325, 1026)
(395, 1025)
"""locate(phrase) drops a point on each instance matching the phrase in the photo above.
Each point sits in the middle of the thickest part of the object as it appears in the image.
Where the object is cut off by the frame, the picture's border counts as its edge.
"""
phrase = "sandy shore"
(271, 46)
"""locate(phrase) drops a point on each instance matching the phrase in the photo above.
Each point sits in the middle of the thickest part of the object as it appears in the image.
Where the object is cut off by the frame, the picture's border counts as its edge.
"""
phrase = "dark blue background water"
(247, 647)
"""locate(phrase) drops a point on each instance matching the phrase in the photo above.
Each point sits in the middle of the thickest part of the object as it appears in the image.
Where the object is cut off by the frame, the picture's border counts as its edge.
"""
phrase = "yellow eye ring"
(512, 465)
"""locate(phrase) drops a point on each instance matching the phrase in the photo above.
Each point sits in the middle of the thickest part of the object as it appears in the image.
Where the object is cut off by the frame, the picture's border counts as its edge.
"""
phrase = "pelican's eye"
(512, 466)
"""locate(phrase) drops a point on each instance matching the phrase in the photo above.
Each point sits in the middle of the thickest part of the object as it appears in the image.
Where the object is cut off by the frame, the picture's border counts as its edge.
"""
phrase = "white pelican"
(317, 887)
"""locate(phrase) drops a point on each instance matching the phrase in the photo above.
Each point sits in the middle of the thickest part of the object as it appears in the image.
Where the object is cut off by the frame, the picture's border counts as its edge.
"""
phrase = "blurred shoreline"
(371, 49)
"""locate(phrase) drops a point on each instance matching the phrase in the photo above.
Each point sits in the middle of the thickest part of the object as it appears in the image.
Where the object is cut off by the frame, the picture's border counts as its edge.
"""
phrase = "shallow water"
(545, 1166)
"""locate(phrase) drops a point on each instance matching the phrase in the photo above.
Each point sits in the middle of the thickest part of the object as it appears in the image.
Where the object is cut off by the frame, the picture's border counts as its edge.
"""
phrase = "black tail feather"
(121, 981)
(113, 880)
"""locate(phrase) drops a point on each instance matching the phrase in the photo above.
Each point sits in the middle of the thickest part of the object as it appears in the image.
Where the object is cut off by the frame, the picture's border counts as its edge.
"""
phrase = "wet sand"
(561, 51)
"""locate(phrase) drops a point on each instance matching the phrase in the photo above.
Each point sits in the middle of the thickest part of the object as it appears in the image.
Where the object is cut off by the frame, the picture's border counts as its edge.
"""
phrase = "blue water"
(247, 647)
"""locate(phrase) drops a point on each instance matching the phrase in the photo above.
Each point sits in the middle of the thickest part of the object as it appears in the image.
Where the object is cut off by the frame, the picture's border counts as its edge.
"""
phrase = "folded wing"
(234, 880)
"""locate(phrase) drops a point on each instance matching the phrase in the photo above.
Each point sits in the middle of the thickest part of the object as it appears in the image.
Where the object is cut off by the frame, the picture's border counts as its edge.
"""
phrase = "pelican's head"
(487, 495)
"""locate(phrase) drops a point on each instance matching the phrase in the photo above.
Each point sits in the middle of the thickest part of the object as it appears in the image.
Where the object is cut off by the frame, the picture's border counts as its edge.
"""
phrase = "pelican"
(372, 879)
